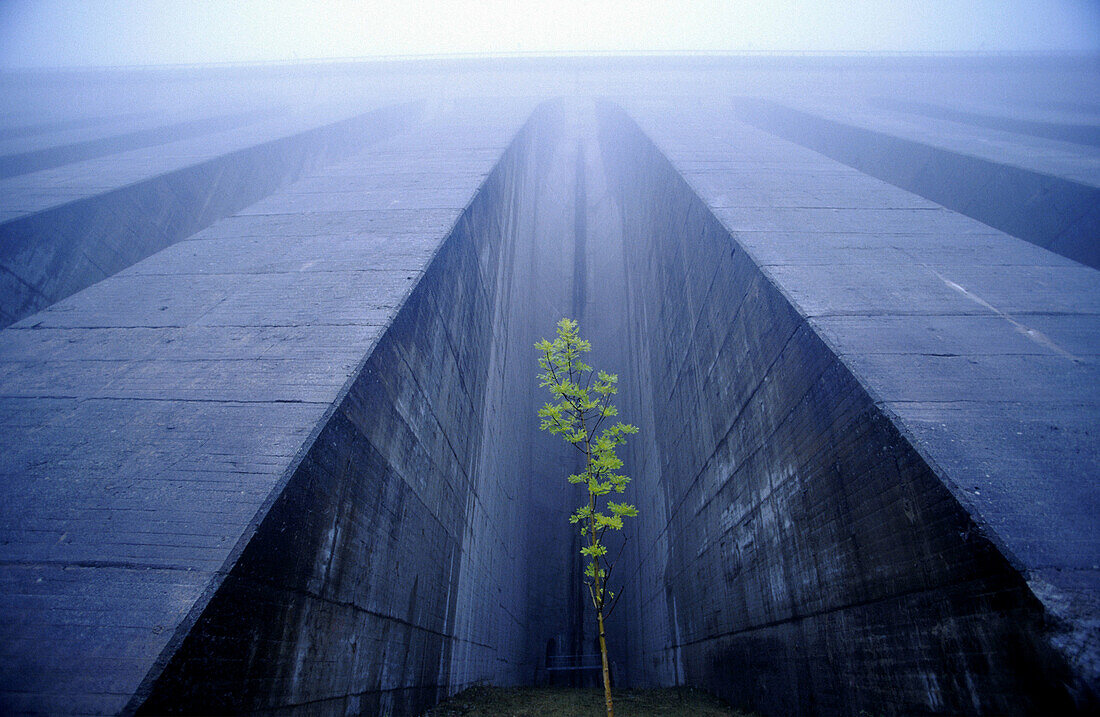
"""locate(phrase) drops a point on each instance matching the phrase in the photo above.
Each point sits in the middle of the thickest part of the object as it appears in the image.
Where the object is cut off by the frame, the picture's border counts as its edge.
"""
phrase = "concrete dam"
(268, 396)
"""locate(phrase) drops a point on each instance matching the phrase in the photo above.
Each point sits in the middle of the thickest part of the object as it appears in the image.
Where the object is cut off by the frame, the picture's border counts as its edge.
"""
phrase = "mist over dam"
(268, 395)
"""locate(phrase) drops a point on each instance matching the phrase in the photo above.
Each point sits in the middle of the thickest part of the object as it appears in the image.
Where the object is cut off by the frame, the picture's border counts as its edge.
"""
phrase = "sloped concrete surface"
(64, 229)
(196, 378)
(282, 456)
(55, 153)
(1038, 190)
(967, 350)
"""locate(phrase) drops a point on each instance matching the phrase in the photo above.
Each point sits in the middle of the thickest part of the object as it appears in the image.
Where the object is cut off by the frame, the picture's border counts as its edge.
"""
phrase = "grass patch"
(580, 702)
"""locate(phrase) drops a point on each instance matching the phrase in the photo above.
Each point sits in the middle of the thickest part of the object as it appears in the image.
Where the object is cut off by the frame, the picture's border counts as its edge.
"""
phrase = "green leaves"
(602, 521)
(580, 405)
(581, 513)
(591, 571)
(594, 551)
(622, 509)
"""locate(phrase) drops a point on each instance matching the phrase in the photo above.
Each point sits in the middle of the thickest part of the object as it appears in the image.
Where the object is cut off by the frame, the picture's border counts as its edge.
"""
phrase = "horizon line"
(579, 54)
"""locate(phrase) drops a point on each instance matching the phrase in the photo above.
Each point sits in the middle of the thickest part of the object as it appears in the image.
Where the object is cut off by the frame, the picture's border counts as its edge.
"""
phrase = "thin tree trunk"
(596, 568)
(598, 604)
(606, 672)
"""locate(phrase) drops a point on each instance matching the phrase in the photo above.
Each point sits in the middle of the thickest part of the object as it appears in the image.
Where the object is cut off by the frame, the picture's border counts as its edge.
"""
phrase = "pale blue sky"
(126, 32)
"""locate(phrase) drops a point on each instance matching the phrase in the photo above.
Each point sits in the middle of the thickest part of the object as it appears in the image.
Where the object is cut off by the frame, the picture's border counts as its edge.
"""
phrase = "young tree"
(582, 404)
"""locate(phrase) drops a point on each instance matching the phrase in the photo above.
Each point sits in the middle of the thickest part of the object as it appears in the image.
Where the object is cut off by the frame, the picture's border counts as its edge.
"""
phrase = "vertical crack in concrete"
(580, 237)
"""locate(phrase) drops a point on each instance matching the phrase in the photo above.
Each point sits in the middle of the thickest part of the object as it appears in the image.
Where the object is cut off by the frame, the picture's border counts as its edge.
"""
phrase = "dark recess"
(813, 563)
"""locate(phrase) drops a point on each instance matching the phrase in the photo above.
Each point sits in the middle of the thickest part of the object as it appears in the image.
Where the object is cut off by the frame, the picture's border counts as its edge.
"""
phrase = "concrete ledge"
(14, 164)
(56, 252)
(1054, 213)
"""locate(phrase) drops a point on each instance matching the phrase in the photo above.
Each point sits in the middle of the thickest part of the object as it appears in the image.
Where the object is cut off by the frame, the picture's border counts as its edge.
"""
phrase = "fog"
(50, 33)
(268, 414)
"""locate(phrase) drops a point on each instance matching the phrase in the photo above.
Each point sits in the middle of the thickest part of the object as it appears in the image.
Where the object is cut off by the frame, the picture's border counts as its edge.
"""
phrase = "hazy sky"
(126, 32)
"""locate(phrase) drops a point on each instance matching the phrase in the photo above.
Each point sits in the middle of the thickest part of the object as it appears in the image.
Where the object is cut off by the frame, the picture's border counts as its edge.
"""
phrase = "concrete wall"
(194, 382)
(111, 140)
(1053, 212)
(291, 462)
(51, 252)
(1002, 118)
(393, 568)
(796, 553)
(423, 543)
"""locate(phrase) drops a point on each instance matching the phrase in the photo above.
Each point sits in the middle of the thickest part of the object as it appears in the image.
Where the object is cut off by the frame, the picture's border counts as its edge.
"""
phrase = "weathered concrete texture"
(154, 419)
(423, 544)
(576, 260)
(387, 572)
(1001, 118)
(858, 508)
(55, 154)
(65, 229)
(1058, 213)
(79, 128)
(290, 463)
